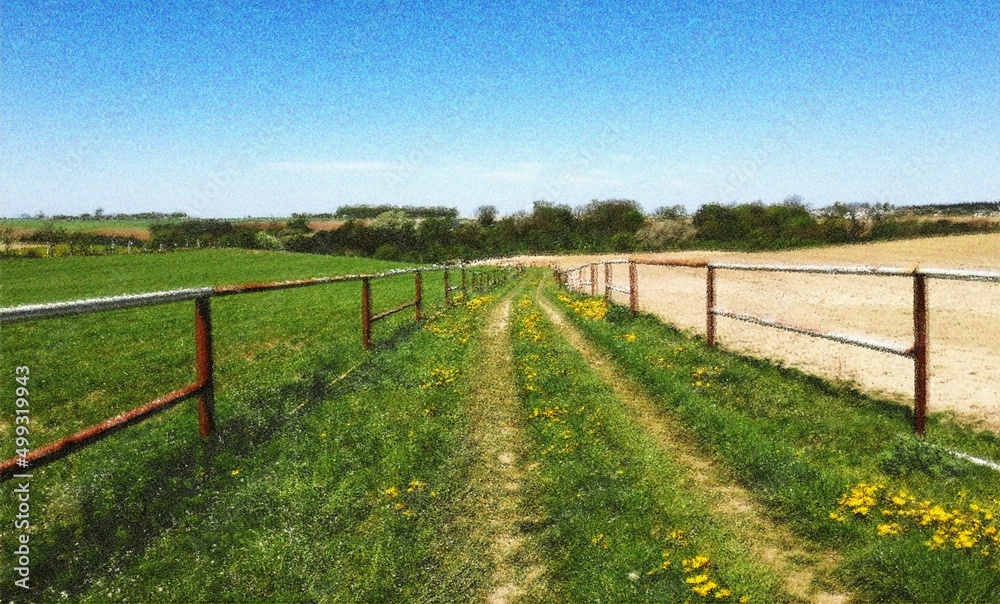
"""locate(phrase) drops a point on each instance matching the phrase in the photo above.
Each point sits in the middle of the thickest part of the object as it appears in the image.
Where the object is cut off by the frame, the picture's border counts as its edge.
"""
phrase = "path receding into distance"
(805, 572)
(495, 512)
(500, 519)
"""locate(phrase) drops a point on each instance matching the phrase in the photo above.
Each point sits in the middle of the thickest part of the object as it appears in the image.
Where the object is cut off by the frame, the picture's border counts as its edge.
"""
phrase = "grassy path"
(621, 523)
(804, 571)
(494, 512)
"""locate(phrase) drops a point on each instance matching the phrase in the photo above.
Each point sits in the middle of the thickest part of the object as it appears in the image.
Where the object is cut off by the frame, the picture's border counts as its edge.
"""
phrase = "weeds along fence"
(584, 279)
(475, 279)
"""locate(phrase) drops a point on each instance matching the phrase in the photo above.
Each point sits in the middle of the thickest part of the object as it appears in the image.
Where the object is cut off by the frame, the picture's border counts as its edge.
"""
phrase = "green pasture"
(276, 354)
(77, 226)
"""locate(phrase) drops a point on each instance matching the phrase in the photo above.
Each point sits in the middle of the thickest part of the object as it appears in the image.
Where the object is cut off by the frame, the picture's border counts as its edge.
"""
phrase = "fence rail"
(573, 278)
(483, 277)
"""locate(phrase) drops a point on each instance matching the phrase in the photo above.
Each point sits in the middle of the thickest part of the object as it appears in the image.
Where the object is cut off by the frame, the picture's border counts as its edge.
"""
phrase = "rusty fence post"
(710, 307)
(920, 338)
(593, 279)
(419, 299)
(447, 289)
(204, 360)
(366, 313)
(633, 288)
(465, 293)
(607, 282)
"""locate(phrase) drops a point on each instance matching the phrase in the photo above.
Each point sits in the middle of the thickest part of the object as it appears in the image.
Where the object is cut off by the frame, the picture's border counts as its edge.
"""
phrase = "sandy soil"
(964, 317)
(326, 225)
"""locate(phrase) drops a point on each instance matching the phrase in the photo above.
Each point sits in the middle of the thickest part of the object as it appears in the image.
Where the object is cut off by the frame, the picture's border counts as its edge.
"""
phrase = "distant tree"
(486, 215)
(549, 227)
(266, 241)
(297, 226)
(610, 217)
(794, 200)
(843, 223)
(364, 212)
(392, 219)
(670, 212)
(715, 222)
(656, 234)
(436, 233)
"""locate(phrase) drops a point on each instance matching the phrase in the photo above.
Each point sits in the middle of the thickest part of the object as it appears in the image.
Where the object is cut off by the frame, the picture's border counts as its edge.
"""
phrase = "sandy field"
(326, 225)
(964, 318)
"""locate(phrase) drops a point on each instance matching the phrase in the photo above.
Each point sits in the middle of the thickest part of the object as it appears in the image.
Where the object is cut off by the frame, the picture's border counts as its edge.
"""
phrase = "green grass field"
(343, 475)
(274, 353)
(76, 226)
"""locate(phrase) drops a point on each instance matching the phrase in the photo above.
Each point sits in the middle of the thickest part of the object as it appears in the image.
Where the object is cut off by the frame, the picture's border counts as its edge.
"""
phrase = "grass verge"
(840, 467)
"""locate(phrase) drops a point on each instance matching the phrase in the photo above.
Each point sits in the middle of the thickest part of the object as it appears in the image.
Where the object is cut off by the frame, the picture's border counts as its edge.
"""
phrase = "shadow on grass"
(847, 392)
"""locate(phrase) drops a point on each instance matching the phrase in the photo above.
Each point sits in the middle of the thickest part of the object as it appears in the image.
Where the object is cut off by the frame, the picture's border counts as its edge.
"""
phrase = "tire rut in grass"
(495, 510)
(805, 572)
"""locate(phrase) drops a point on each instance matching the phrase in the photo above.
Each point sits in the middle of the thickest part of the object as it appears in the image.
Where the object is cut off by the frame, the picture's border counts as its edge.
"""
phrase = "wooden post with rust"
(204, 360)
(447, 289)
(419, 299)
(710, 307)
(366, 313)
(465, 293)
(607, 282)
(633, 288)
(920, 376)
(593, 279)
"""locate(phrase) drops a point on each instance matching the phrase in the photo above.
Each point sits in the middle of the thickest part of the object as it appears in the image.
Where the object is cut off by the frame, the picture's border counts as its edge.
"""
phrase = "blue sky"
(239, 108)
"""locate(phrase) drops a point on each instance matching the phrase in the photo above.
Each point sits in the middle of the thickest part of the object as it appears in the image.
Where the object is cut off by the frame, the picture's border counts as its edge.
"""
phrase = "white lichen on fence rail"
(918, 352)
(32, 312)
(885, 271)
(861, 341)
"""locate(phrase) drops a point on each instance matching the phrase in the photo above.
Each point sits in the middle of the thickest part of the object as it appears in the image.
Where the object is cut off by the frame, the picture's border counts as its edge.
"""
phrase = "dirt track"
(964, 317)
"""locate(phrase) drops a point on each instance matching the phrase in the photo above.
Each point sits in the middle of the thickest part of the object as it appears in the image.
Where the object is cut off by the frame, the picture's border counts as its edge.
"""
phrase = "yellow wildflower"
(704, 590)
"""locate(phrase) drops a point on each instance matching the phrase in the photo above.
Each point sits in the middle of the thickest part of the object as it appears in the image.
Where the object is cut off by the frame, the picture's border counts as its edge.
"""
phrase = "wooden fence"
(584, 278)
(482, 278)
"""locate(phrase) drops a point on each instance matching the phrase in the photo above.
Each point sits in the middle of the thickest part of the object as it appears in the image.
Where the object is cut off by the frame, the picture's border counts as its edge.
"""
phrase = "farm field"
(138, 229)
(275, 354)
(527, 445)
(263, 339)
(964, 347)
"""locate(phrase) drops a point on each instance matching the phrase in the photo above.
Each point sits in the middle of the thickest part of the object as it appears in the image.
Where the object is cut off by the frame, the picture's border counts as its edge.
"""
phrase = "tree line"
(601, 226)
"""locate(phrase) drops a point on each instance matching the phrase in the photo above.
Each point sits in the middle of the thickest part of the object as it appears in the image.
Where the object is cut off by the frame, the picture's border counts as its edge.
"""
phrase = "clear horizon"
(236, 109)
